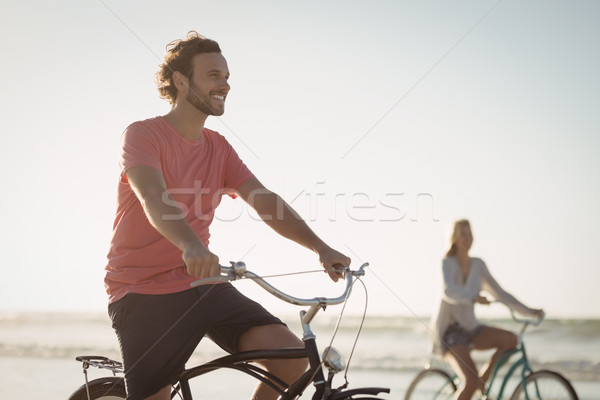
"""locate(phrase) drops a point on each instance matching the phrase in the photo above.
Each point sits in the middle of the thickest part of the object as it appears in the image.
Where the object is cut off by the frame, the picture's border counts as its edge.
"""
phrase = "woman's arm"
(493, 287)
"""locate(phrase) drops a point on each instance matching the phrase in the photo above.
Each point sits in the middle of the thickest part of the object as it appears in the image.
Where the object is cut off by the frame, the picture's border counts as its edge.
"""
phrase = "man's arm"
(280, 216)
(149, 186)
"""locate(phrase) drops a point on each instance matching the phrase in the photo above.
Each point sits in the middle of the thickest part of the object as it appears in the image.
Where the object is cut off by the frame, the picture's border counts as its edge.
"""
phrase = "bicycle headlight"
(333, 360)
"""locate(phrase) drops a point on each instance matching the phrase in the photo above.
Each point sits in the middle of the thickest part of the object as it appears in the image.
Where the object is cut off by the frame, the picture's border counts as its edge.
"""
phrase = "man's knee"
(275, 337)
(268, 337)
(163, 394)
(293, 367)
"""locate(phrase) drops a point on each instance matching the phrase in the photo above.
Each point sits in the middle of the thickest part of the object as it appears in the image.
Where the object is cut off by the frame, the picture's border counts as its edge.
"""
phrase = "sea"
(38, 350)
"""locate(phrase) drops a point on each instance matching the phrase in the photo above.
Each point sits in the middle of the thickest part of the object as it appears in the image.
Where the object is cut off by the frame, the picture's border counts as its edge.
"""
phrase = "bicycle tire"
(431, 384)
(112, 388)
(545, 384)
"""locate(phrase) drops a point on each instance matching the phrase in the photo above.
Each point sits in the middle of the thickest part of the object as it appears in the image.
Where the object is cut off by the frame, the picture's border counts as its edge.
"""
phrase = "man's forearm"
(169, 221)
(282, 218)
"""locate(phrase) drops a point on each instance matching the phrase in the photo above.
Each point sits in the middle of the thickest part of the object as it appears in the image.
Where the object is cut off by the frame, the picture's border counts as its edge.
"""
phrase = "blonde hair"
(458, 225)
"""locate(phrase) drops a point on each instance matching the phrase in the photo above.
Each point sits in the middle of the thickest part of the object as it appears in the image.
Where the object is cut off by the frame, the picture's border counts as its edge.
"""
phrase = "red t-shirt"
(197, 173)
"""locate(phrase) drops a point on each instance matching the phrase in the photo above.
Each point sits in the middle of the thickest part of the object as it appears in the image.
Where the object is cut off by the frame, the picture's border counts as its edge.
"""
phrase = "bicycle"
(113, 387)
(437, 384)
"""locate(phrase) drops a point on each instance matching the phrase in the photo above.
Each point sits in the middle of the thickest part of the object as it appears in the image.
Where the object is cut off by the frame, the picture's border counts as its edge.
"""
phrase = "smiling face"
(208, 86)
(463, 238)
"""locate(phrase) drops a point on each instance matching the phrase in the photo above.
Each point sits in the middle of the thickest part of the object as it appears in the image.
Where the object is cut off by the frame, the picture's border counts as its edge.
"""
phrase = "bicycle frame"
(242, 361)
(432, 382)
(239, 362)
(315, 374)
(522, 362)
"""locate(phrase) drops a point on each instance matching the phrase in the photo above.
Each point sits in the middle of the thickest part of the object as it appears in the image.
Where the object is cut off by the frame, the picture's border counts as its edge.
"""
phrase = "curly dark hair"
(179, 58)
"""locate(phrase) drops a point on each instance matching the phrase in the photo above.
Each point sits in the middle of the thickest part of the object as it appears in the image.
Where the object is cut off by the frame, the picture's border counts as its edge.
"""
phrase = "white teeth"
(222, 98)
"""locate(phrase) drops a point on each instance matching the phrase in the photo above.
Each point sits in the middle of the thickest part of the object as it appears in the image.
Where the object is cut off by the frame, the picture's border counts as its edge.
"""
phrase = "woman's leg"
(493, 338)
(460, 358)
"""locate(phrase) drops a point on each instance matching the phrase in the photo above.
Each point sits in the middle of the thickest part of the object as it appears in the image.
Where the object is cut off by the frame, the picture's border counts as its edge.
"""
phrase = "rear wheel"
(112, 388)
(431, 384)
(545, 385)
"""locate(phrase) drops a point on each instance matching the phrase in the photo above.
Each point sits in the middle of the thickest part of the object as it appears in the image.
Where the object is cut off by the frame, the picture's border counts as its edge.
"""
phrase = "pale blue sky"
(381, 122)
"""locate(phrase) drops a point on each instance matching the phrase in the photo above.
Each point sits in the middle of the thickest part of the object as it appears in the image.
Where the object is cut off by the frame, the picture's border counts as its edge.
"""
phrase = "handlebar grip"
(541, 318)
(231, 273)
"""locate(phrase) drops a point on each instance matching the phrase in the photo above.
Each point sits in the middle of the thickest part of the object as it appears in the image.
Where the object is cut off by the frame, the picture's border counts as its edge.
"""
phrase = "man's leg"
(274, 336)
(163, 394)
(157, 334)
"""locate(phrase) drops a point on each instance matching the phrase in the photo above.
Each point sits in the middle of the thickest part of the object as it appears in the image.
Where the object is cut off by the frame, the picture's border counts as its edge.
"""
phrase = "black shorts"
(158, 333)
(456, 335)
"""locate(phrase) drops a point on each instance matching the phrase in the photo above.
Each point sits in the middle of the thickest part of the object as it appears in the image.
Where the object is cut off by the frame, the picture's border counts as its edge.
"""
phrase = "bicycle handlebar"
(531, 321)
(525, 321)
(238, 270)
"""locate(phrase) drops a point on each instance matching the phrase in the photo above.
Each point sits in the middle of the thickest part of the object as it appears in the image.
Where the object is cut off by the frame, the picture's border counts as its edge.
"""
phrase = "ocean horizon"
(38, 350)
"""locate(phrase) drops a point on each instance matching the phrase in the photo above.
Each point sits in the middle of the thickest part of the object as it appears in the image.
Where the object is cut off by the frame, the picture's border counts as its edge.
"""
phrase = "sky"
(380, 122)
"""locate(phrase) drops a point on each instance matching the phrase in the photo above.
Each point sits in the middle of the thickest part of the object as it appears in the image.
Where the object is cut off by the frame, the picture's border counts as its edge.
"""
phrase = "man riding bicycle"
(173, 172)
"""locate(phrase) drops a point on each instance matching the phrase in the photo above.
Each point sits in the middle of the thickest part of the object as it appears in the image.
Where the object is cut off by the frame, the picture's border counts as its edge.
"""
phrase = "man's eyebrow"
(220, 71)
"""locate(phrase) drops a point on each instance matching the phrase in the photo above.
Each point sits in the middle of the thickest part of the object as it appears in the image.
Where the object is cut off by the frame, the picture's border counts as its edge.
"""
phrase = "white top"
(457, 299)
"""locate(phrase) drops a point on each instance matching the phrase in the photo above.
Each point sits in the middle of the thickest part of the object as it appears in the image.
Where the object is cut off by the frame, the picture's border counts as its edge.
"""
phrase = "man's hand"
(330, 259)
(200, 262)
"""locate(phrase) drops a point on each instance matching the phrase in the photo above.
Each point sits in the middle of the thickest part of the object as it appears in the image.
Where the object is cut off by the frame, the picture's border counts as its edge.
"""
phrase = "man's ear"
(180, 81)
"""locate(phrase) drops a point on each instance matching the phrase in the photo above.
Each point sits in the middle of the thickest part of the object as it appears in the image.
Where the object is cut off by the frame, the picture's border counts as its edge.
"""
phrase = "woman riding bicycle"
(456, 329)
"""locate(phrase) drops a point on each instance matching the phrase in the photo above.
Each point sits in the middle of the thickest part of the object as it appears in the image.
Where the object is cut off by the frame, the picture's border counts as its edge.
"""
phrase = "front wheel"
(112, 388)
(431, 384)
(544, 384)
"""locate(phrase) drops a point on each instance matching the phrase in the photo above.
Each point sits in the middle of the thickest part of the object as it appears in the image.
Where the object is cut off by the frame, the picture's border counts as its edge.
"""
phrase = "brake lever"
(361, 270)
